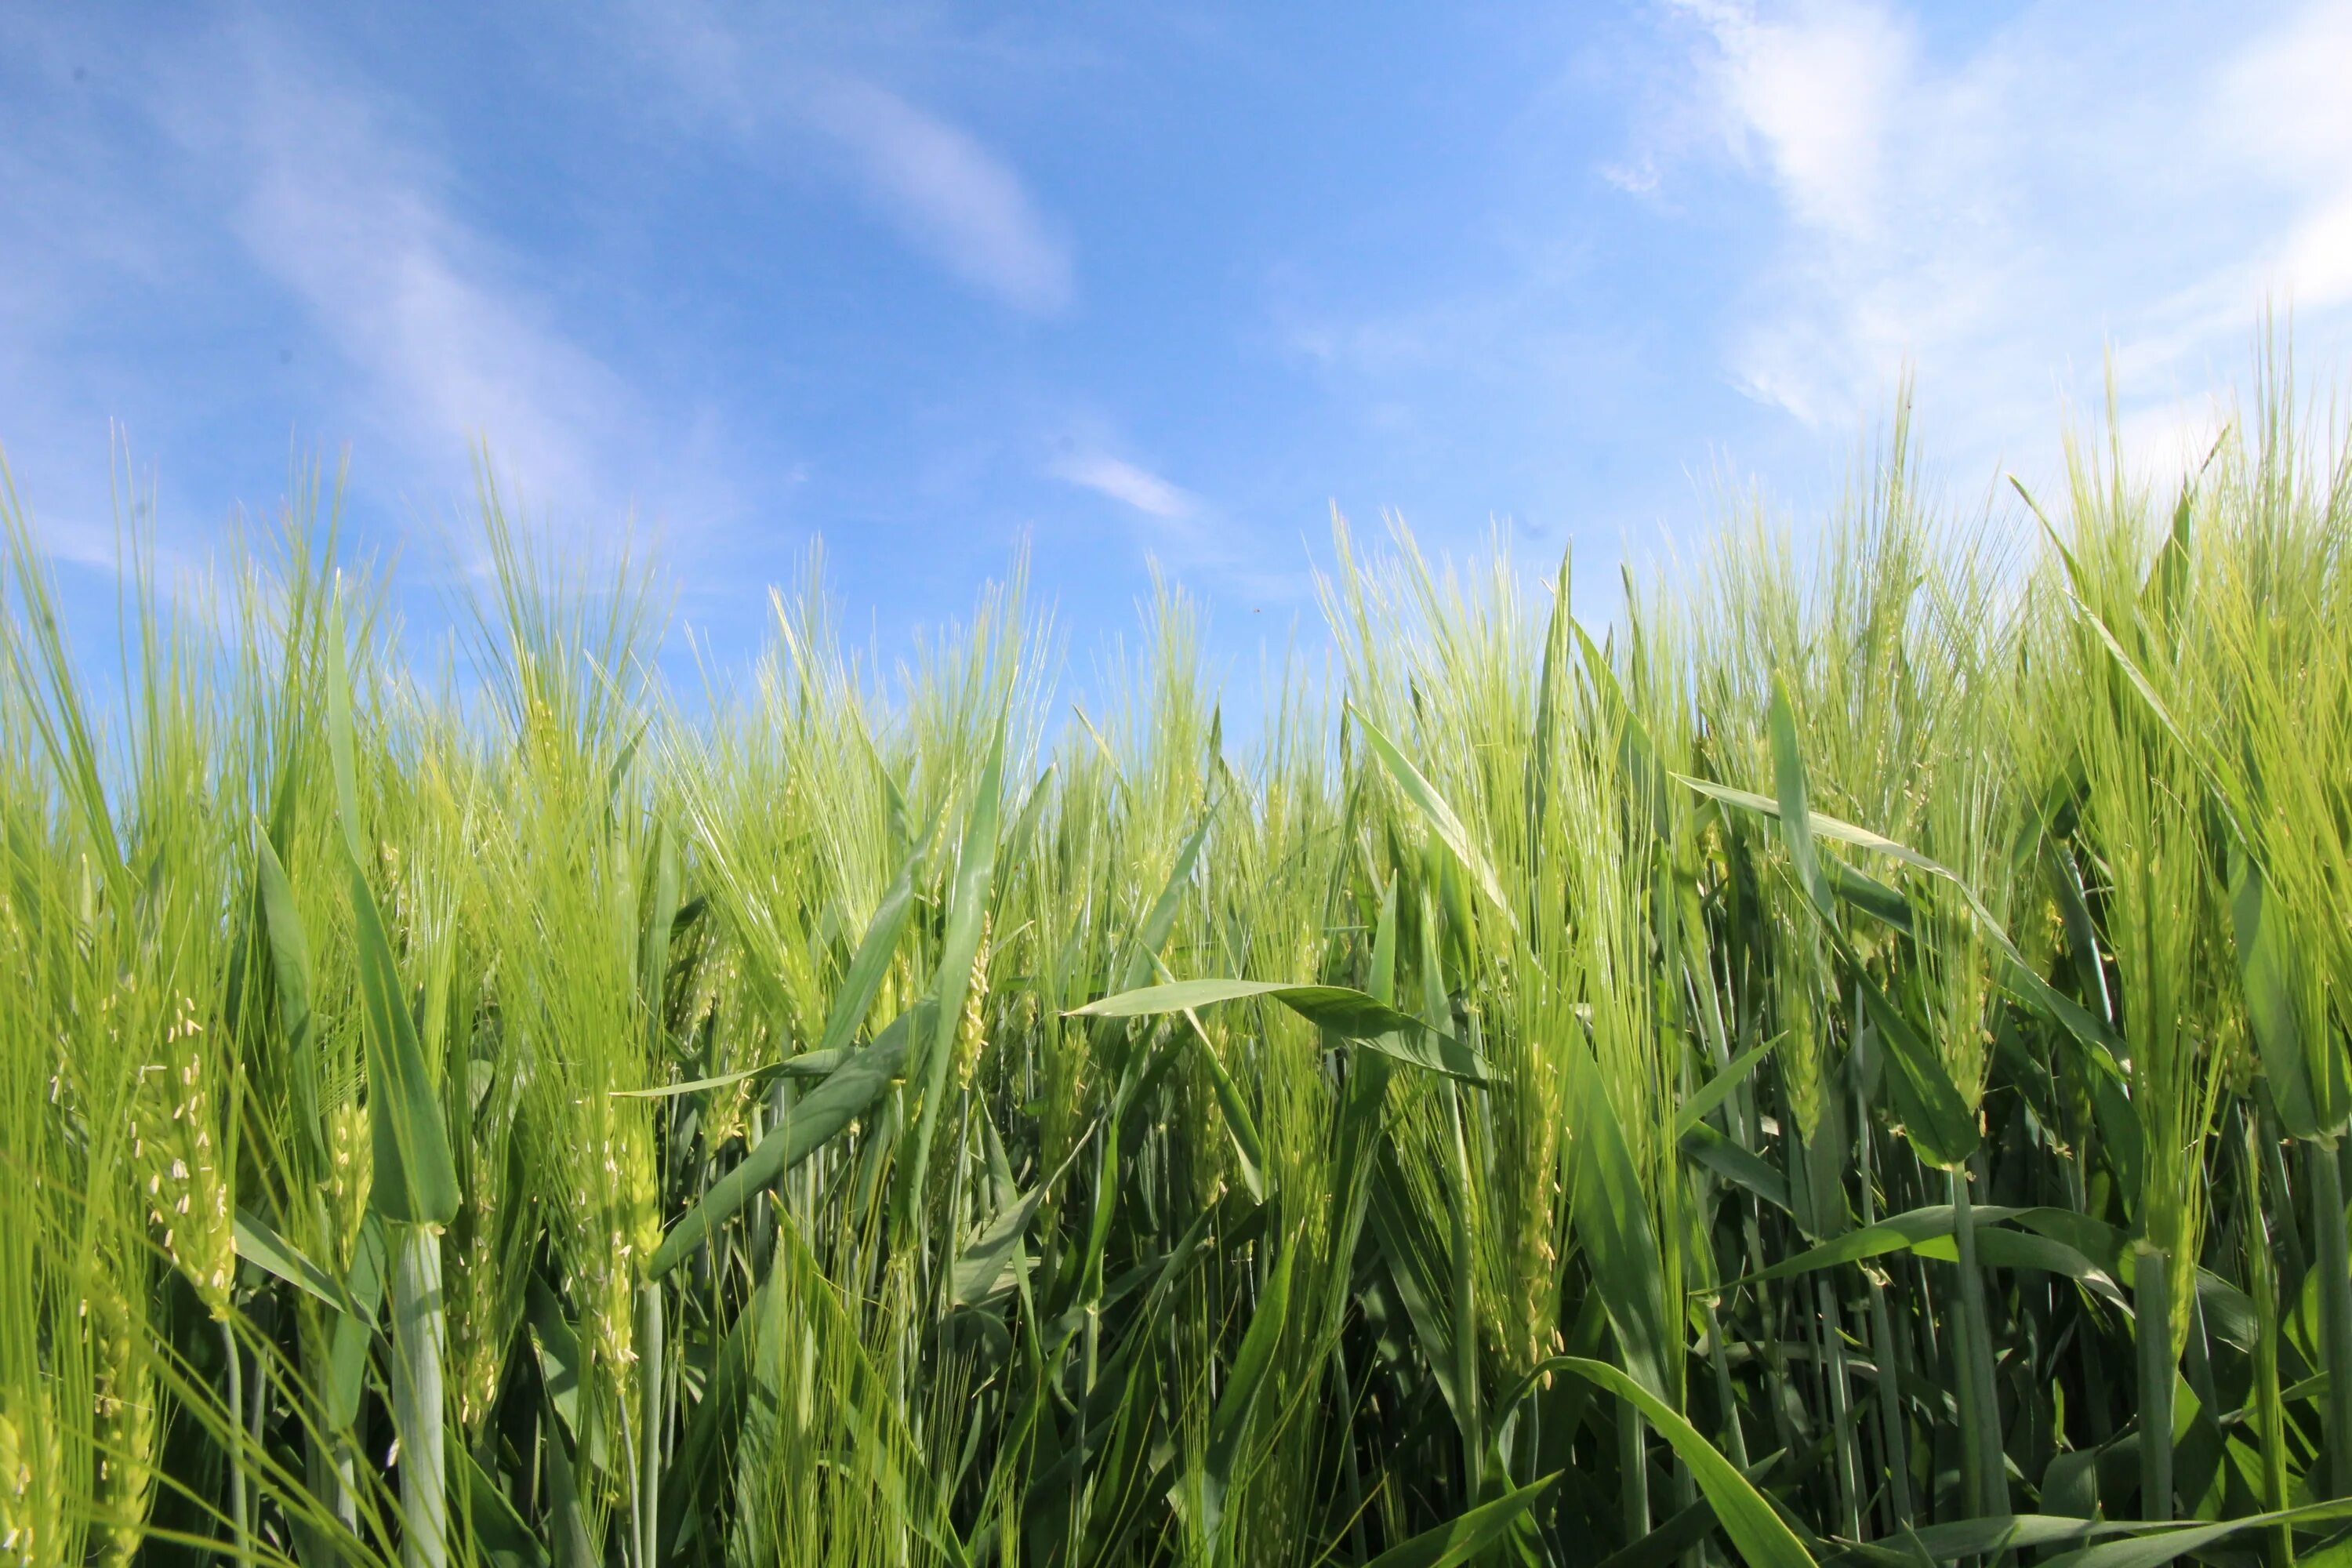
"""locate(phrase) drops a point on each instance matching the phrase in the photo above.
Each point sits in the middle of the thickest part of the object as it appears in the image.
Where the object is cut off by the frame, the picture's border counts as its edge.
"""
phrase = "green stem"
(1893, 1441)
(1841, 1422)
(1465, 1320)
(1633, 1472)
(2152, 1311)
(1735, 1441)
(2261, 1284)
(240, 1526)
(2329, 1255)
(1984, 1466)
(650, 1369)
(417, 1405)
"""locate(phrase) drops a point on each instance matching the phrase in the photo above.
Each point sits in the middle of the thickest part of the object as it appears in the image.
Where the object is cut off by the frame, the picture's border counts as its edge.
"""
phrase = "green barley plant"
(1843, 1061)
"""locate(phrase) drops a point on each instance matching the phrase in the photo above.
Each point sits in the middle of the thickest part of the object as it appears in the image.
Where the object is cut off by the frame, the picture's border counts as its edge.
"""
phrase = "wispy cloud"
(2282, 109)
(1815, 91)
(335, 196)
(453, 348)
(948, 194)
(1124, 482)
(2003, 213)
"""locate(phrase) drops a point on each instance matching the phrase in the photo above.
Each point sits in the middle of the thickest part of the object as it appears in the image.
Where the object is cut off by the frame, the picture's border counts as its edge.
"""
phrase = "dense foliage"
(1825, 1066)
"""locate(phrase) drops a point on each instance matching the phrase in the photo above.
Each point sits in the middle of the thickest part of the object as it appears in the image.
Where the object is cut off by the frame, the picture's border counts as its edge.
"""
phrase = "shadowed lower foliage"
(1846, 1064)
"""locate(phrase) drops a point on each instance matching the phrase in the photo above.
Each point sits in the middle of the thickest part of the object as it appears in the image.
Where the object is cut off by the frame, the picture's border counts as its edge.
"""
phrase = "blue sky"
(1133, 284)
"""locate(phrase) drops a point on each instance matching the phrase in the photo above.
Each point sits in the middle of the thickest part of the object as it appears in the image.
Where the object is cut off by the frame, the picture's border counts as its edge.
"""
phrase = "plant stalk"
(2261, 1284)
(2152, 1312)
(417, 1401)
(2329, 1255)
(651, 1366)
(240, 1523)
(1633, 1471)
(1984, 1466)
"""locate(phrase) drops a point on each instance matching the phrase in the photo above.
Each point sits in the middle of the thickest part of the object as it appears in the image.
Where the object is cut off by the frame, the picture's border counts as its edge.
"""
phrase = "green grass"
(1847, 1064)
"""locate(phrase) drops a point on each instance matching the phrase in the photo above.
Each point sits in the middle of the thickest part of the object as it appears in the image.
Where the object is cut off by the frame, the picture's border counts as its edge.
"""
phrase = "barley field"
(1843, 1062)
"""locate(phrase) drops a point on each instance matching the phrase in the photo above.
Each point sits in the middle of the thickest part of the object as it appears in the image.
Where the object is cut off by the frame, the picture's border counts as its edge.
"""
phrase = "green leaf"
(1417, 1272)
(1349, 1013)
(289, 963)
(832, 1105)
(2017, 974)
(1936, 1114)
(1718, 1088)
(415, 1181)
(557, 1345)
(1467, 1533)
(1761, 1537)
(1740, 1166)
(1684, 1529)
(1892, 1234)
(982, 1265)
(573, 1547)
(2161, 1545)
(261, 1246)
(1229, 1422)
(2022, 1249)
(2276, 1002)
(967, 916)
(1249, 1150)
(871, 963)
(2017, 1532)
(1611, 1205)
(1795, 815)
(1161, 919)
(347, 1353)
(499, 1532)
(1439, 815)
(697, 1085)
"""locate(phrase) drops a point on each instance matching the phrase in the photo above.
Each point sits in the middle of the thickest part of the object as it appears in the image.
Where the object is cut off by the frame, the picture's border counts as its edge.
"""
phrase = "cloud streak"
(947, 195)
(1126, 483)
(2003, 214)
(452, 349)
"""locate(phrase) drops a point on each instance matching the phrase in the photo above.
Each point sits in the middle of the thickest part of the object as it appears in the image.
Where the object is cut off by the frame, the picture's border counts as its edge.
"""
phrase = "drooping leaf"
(2277, 1002)
(1349, 1013)
(967, 915)
(289, 963)
(1610, 1207)
(814, 1121)
(1719, 1087)
(1740, 1166)
(1761, 1537)
(415, 1182)
(1440, 817)
(260, 1245)
(1891, 1235)
(1229, 1422)
(1462, 1538)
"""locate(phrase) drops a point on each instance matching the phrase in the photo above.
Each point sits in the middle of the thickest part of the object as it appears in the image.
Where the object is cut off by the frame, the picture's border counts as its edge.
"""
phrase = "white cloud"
(2002, 215)
(453, 348)
(948, 195)
(2284, 108)
(329, 190)
(1122, 482)
(1817, 88)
